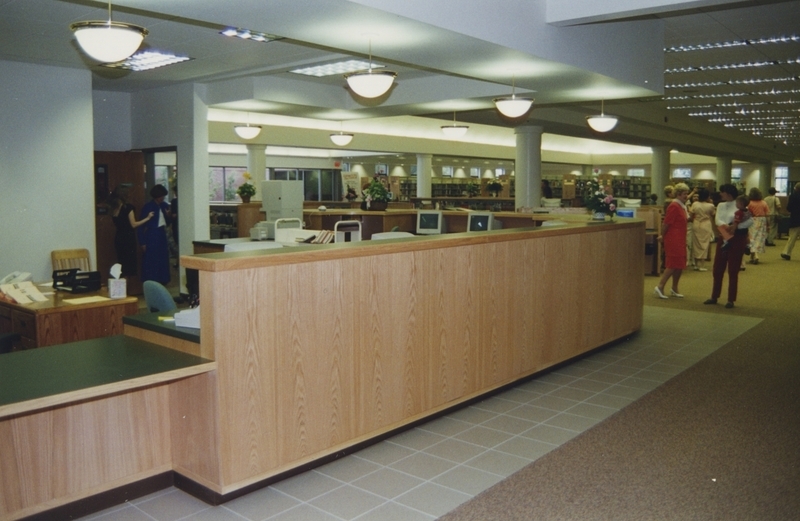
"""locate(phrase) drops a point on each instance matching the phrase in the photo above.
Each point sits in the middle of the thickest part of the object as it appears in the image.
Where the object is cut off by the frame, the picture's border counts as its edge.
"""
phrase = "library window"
(223, 181)
(782, 179)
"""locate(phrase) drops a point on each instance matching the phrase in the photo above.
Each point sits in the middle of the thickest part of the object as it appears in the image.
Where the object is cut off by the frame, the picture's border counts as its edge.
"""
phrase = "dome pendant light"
(246, 131)
(513, 107)
(602, 123)
(108, 42)
(370, 84)
(454, 130)
(341, 139)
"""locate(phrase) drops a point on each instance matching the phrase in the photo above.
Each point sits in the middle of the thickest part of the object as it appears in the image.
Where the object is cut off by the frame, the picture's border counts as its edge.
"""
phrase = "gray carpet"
(719, 441)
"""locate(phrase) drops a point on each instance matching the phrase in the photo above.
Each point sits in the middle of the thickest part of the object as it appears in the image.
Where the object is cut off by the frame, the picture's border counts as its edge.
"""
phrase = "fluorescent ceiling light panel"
(332, 69)
(247, 34)
(146, 60)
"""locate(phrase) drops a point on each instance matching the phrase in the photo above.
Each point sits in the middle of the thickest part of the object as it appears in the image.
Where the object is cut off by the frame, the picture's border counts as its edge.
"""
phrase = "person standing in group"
(669, 196)
(730, 257)
(702, 230)
(758, 232)
(794, 221)
(673, 234)
(123, 216)
(774, 216)
(153, 238)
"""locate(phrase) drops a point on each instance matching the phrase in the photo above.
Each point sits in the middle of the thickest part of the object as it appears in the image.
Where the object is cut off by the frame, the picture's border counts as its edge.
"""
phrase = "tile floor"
(427, 471)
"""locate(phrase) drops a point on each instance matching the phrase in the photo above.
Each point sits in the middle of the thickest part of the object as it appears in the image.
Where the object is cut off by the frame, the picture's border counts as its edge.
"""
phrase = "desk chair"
(68, 259)
(157, 297)
(7, 342)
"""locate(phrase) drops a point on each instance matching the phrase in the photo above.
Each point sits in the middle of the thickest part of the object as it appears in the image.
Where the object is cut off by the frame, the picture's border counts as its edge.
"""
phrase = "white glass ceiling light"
(247, 131)
(602, 123)
(454, 130)
(370, 83)
(512, 106)
(341, 139)
(108, 42)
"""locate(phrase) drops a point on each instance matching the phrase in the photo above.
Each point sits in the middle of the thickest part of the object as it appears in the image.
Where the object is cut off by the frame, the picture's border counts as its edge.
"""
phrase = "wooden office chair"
(68, 259)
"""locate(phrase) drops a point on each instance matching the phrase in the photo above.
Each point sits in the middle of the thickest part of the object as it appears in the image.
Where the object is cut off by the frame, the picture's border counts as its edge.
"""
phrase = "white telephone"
(15, 277)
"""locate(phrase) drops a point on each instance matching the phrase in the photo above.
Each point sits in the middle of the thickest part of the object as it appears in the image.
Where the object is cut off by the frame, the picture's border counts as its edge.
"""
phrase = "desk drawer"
(25, 325)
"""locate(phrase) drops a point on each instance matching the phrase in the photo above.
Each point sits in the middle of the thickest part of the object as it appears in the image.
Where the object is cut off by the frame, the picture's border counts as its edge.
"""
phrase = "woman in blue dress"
(153, 237)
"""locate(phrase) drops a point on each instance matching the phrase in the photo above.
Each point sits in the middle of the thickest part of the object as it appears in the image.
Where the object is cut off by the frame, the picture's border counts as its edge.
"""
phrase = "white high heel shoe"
(675, 293)
(659, 294)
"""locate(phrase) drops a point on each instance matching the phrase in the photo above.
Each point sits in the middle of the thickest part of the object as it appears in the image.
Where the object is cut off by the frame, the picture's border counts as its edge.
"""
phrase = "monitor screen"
(479, 222)
(429, 222)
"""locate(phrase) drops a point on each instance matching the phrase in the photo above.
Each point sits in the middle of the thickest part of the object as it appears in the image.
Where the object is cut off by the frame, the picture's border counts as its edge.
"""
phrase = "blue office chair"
(157, 297)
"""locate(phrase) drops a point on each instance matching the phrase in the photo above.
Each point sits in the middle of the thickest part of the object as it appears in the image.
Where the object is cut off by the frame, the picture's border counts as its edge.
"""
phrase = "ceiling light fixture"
(247, 34)
(602, 123)
(246, 131)
(341, 139)
(513, 107)
(108, 42)
(454, 130)
(146, 60)
(370, 84)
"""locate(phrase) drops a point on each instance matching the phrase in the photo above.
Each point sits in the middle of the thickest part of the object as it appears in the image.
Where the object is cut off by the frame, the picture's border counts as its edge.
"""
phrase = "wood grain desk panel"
(361, 339)
(82, 418)
(58, 322)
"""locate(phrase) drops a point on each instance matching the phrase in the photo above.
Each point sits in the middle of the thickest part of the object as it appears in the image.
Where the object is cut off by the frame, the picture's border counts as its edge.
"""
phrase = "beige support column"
(528, 166)
(257, 166)
(659, 172)
(424, 173)
(723, 171)
(766, 177)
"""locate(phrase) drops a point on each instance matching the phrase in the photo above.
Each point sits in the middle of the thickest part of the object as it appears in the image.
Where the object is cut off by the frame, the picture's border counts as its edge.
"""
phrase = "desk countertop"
(153, 322)
(48, 376)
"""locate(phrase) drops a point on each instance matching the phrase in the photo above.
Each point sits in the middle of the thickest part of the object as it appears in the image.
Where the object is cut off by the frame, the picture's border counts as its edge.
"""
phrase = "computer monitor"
(430, 222)
(629, 203)
(482, 221)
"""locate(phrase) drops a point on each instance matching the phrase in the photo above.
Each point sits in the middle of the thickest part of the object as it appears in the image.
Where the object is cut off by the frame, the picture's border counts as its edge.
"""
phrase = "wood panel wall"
(325, 351)
(63, 454)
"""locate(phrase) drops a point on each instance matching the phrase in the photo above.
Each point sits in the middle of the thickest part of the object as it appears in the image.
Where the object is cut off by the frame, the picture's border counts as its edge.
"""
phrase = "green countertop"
(49, 371)
(152, 322)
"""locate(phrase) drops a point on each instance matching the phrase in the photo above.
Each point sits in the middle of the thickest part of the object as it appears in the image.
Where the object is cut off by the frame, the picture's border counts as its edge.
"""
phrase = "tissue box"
(117, 288)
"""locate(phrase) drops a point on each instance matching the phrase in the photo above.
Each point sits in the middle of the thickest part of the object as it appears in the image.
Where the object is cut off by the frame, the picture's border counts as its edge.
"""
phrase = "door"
(113, 169)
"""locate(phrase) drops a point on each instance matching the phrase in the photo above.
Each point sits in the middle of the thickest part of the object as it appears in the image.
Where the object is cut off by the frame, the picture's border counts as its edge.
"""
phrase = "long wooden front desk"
(320, 349)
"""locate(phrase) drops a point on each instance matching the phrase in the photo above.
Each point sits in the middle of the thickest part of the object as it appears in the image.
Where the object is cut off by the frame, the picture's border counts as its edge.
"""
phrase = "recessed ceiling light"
(247, 34)
(331, 69)
(146, 60)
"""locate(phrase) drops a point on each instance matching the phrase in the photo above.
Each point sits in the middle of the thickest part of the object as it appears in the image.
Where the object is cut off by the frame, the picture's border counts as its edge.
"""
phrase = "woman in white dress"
(702, 228)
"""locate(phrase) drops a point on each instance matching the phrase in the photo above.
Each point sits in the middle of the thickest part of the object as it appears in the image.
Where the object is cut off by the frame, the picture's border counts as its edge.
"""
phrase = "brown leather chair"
(68, 259)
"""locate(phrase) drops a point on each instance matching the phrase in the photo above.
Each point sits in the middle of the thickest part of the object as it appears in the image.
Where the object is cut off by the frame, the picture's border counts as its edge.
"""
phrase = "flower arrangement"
(494, 186)
(598, 200)
(246, 190)
(375, 192)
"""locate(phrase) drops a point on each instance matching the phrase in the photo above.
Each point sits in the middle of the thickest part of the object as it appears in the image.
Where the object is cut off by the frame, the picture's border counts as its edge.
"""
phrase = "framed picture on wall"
(381, 169)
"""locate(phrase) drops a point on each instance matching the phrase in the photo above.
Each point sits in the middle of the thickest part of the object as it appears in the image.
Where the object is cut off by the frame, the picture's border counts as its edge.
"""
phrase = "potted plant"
(494, 186)
(599, 200)
(375, 196)
(246, 190)
(473, 189)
